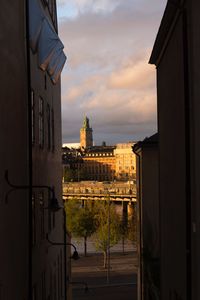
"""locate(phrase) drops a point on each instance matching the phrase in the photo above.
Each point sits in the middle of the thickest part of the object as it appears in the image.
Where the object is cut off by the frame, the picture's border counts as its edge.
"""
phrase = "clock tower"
(86, 138)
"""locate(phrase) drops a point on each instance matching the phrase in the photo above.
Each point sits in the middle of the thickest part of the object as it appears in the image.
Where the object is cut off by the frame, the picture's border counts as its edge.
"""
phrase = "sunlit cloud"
(108, 44)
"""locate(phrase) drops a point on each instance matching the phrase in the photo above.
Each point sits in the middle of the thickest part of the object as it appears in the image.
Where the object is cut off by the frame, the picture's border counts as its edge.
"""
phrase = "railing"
(100, 191)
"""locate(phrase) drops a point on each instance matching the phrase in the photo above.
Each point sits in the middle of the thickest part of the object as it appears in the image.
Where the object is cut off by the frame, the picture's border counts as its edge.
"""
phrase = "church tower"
(86, 139)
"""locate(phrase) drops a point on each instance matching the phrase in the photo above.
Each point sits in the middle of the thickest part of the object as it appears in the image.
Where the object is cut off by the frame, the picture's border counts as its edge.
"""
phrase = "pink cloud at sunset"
(107, 75)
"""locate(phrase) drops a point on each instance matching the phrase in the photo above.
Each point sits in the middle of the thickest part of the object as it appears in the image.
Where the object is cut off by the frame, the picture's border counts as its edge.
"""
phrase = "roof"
(148, 141)
(172, 10)
(97, 149)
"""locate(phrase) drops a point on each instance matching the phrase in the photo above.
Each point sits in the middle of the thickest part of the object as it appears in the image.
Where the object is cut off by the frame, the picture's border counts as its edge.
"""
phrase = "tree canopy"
(81, 221)
(108, 227)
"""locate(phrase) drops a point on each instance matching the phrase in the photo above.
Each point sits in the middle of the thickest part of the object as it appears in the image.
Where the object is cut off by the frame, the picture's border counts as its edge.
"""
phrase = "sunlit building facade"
(125, 162)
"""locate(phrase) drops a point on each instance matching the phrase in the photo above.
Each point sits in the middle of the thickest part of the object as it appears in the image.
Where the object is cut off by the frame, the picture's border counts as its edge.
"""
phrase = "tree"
(80, 220)
(132, 228)
(69, 175)
(108, 228)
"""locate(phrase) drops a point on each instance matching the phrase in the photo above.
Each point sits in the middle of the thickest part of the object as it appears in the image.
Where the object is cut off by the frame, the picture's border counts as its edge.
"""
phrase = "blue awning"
(45, 42)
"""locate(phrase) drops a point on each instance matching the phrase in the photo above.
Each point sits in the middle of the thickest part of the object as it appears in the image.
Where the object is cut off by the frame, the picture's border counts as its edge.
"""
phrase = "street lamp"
(74, 256)
(108, 241)
(53, 201)
(108, 244)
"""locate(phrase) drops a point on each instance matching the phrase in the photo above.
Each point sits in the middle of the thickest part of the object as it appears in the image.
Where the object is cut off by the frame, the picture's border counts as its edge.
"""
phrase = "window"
(33, 221)
(61, 272)
(45, 81)
(48, 127)
(54, 219)
(42, 228)
(54, 287)
(44, 2)
(43, 286)
(34, 293)
(41, 122)
(58, 277)
(49, 221)
(52, 130)
(33, 116)
(51, 6)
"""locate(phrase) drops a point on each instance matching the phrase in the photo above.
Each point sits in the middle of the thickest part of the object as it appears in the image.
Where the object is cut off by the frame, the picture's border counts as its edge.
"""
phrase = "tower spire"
(86, 138)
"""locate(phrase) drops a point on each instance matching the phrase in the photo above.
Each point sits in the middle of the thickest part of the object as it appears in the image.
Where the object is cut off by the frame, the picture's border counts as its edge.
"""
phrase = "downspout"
(187, 156)
(65, 253)
(140, 293)
(29, 116)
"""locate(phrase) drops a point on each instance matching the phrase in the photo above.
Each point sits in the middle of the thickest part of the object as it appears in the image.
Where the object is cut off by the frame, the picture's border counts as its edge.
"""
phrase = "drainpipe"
(26, 11)
(65, 252)
(140, 293)
(187, 155)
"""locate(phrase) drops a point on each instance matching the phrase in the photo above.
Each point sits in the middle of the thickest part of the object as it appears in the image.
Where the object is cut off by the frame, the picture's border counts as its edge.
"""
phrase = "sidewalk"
(94, 263)
(89, 271)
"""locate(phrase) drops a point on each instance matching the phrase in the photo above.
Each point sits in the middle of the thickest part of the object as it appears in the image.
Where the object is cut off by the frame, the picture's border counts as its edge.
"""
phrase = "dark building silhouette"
(32, 58)
(176, 56)
(148, 228)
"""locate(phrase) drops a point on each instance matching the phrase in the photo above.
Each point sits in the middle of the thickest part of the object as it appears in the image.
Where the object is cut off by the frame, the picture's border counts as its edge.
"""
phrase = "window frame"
(41, 122)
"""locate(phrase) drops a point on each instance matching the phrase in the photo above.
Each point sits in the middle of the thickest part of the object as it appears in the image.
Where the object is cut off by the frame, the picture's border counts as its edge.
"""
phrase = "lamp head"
(75, 255)
(54, 204)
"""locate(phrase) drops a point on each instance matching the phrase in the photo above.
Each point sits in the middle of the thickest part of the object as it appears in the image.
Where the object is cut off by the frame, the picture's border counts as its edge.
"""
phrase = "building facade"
(31, 267)
(148, 229)
(125, 162)
(176, 56)
(98, 163)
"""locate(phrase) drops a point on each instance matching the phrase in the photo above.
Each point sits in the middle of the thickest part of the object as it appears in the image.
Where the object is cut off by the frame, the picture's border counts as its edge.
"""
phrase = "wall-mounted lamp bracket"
(74, 256)
(53, 205)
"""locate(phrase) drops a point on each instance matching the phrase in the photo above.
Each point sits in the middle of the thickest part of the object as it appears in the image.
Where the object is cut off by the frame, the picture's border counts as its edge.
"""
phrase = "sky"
(107, 77)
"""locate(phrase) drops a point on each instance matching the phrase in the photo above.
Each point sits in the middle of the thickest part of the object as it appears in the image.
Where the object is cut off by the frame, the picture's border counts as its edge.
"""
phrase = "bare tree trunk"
(123, 244)
(105, 259)
(85, 245)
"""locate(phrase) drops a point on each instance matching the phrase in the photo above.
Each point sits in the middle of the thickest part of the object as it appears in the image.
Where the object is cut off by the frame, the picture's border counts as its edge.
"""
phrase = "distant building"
(71, 145)
(30, 160)
(100, 163)
(125, 162)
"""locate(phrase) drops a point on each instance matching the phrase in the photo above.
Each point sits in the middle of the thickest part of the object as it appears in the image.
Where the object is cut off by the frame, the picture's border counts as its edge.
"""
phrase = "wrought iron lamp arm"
(75, 255)
(21, 187)
(54, 204)
(59, 244)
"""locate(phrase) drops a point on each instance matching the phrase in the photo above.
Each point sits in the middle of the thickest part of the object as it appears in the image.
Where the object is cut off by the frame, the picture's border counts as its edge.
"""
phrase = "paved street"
(122, 279)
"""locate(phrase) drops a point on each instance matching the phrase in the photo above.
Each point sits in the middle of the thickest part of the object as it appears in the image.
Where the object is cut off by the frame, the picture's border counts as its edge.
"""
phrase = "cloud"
(107, 76)
(134, 75)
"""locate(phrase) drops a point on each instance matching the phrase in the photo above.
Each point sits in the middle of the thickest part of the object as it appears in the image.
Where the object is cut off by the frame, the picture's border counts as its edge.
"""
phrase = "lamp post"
(108, 243)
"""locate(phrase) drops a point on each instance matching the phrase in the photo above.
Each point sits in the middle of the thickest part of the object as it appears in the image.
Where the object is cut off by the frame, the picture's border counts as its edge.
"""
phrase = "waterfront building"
(98, 163)
(125, 162)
